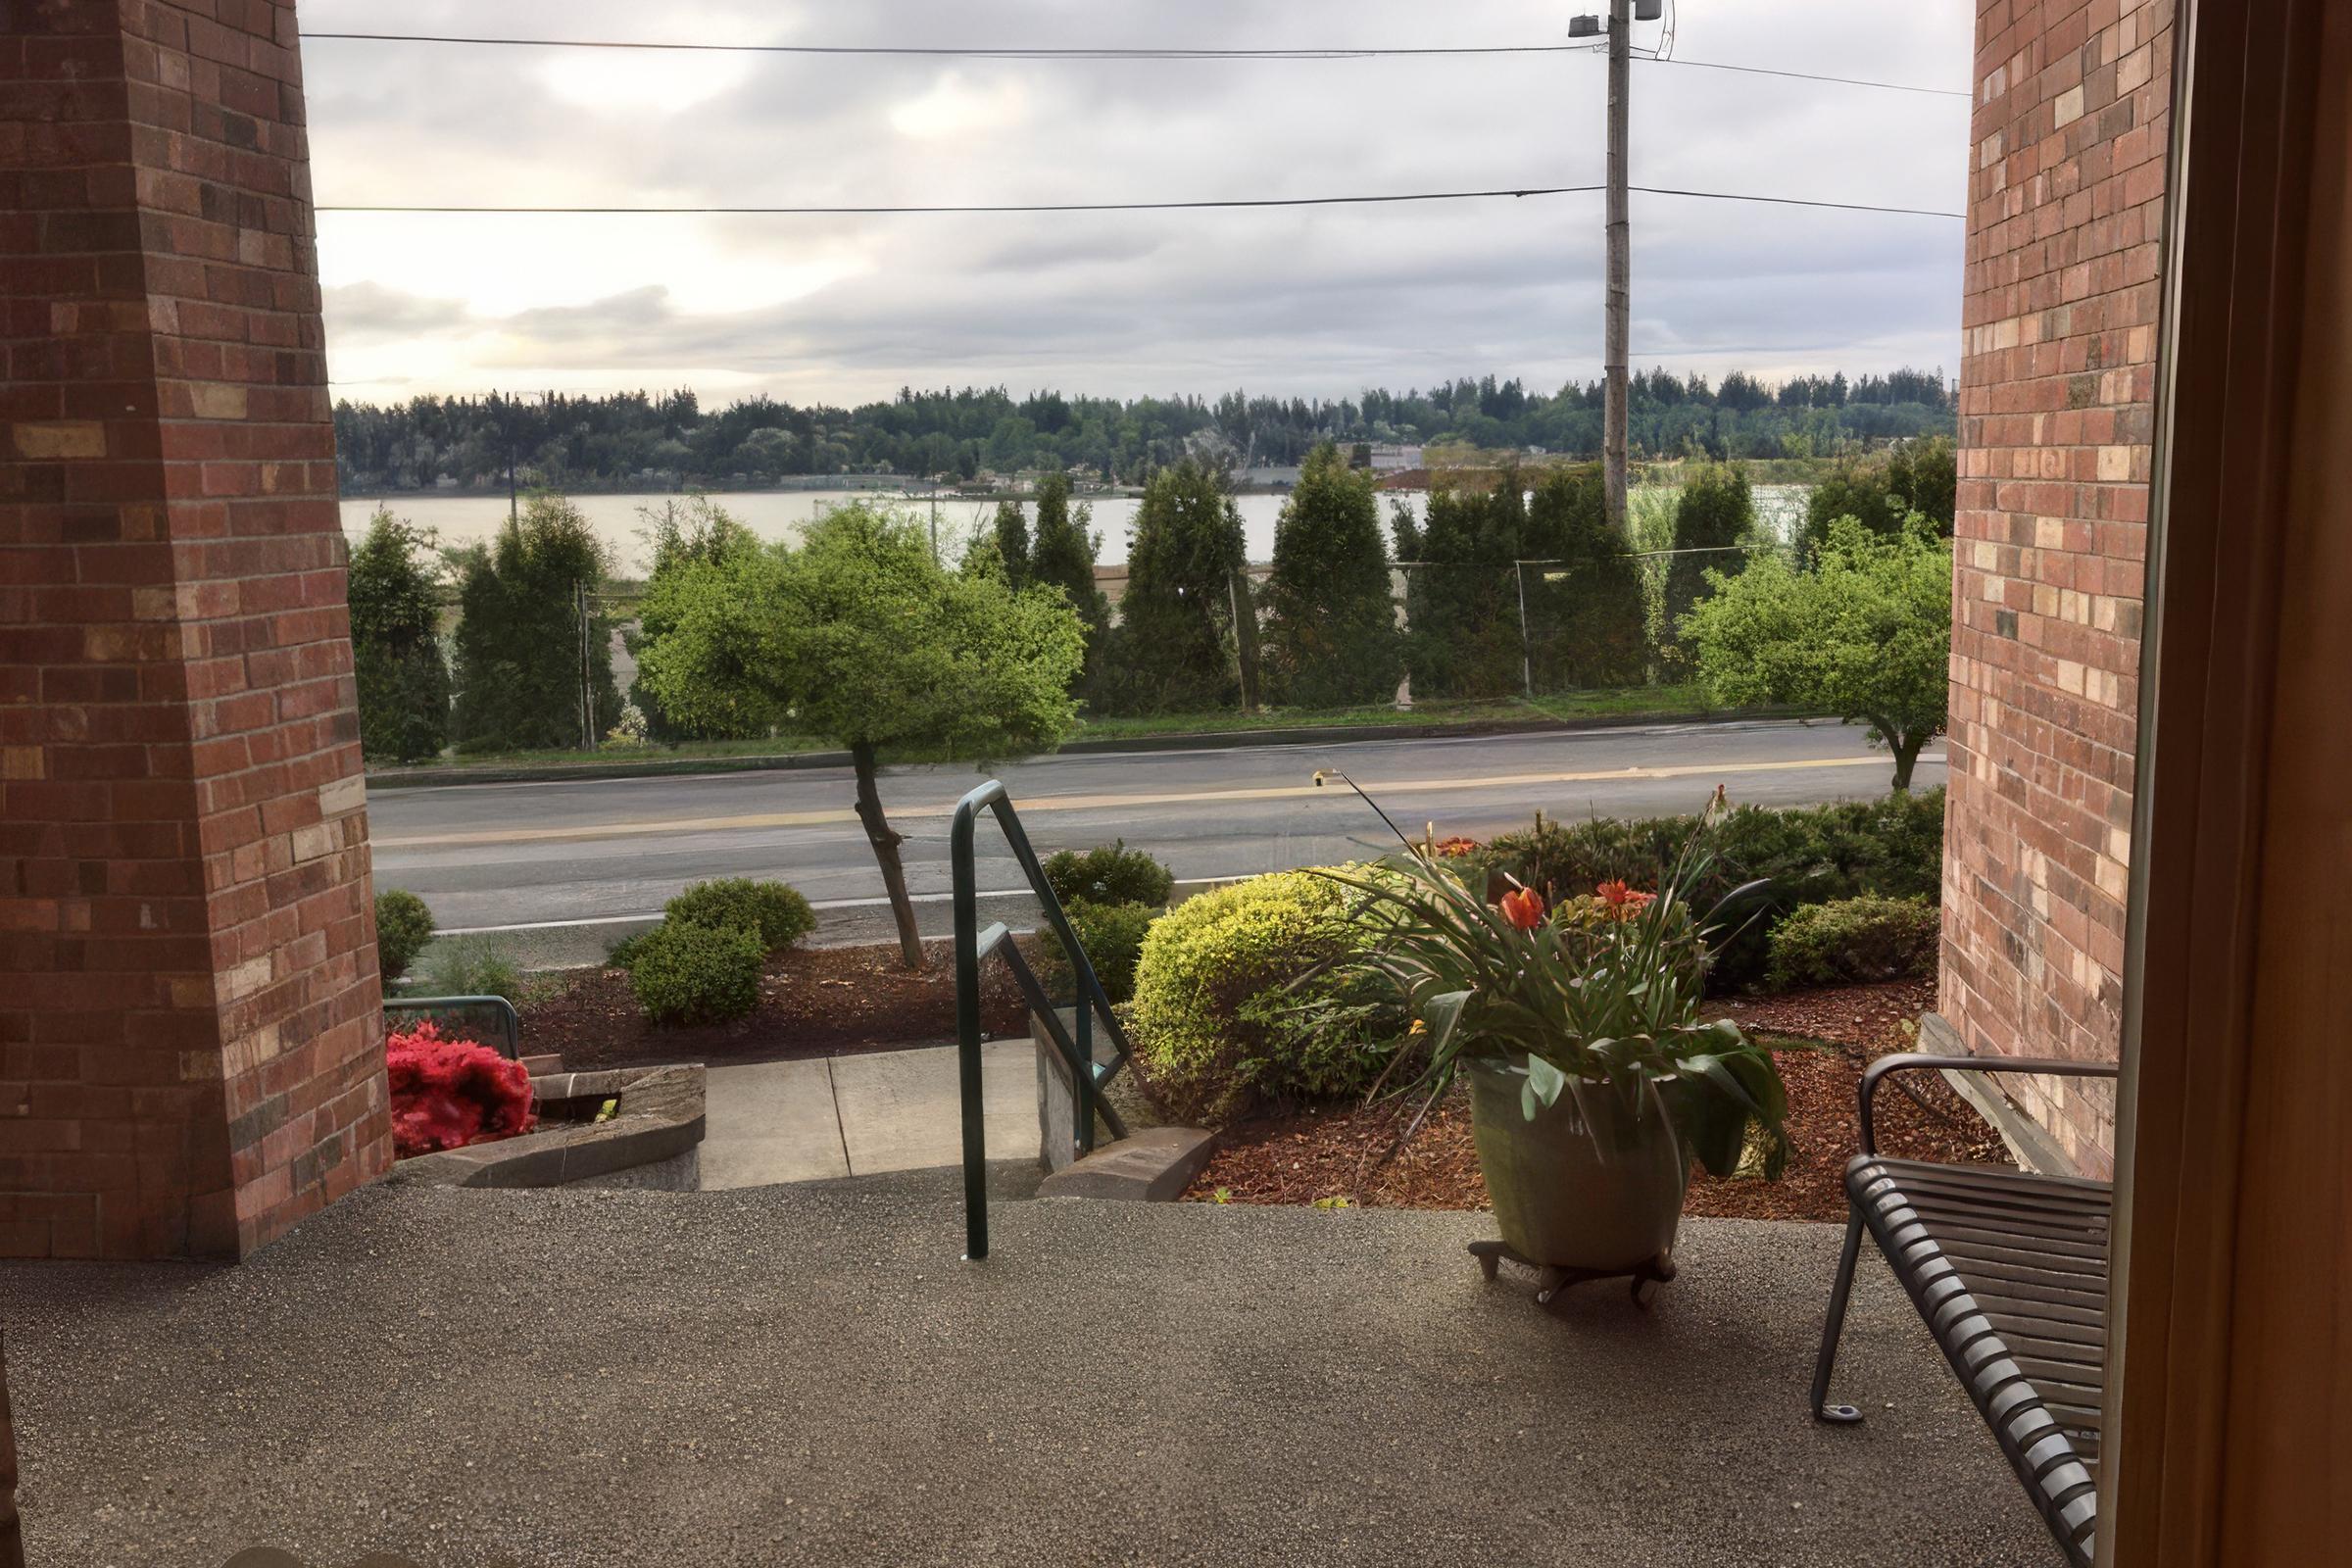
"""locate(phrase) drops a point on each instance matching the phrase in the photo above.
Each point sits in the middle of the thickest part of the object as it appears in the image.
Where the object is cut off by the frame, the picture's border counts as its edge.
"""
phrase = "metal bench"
(2009, 1271)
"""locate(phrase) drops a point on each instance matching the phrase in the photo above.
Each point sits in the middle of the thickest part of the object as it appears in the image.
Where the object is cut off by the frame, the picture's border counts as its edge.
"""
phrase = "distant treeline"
(631, 438)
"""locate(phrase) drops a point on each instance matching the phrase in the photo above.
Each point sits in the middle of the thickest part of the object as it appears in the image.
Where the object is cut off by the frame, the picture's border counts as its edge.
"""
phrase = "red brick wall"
(2057, 385)
(12, 1537)
(189, 1029)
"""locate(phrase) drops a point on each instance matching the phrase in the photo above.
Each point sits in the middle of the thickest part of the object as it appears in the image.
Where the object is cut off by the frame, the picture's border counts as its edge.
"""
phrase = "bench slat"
(2009, 1270)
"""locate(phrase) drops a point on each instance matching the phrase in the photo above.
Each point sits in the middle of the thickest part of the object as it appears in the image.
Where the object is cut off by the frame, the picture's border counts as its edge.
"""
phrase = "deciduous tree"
(861, 637)
(1866, 634)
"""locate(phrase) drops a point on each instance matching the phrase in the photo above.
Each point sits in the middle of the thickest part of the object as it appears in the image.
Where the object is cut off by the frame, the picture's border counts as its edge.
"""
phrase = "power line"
(1106, 53)
(1807, 75)
(912, 210)
(991, 207)
(964, 52)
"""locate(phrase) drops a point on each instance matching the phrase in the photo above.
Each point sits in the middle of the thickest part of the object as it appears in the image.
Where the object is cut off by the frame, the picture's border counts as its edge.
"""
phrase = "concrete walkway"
(809, 1375)
(862, 1114)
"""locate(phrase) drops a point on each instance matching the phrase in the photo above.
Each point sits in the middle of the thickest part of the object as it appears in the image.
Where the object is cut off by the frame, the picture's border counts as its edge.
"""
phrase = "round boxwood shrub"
(777, 914)
(1110, 873)
(1112, 935)
(1854, 940)
(688, 973)
(1216, 1023)
(403, 926)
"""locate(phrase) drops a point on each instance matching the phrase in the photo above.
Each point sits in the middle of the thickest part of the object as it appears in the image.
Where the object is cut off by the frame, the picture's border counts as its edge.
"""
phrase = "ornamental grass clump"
(447, 1092)
(1595, 995)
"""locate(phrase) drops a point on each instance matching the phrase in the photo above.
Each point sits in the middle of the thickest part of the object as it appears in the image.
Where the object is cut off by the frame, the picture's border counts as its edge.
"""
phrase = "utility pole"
(1621, 266)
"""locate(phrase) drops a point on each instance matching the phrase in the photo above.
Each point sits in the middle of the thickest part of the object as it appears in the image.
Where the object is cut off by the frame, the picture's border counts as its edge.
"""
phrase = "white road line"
(813, 904)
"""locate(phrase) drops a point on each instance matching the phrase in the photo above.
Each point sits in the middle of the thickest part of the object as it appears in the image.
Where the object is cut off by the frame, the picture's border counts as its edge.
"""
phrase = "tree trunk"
(1906, 749)
(885, 841)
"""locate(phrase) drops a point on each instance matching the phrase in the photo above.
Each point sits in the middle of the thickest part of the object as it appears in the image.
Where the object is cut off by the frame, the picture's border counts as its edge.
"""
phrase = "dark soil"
(813, 1002)
(1822, 1040)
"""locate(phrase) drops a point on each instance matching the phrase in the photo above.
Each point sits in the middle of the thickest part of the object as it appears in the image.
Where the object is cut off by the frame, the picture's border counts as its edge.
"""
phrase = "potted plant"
(1594, 1079)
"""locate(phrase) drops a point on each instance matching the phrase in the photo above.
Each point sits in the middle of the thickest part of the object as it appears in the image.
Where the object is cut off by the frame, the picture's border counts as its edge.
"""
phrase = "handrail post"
(1082, 1082)
(967, 1030)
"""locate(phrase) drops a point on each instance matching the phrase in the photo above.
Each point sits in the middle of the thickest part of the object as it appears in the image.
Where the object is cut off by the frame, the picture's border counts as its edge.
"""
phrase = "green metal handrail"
(1087, 1076)
(510, 1023)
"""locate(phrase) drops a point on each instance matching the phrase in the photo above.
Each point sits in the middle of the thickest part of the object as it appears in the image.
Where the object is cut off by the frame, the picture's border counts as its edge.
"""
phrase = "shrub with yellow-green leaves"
(1222, 1018)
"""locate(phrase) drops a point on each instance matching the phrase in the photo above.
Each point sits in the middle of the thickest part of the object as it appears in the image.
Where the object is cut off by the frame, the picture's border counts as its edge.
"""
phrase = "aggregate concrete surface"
(811, 1375)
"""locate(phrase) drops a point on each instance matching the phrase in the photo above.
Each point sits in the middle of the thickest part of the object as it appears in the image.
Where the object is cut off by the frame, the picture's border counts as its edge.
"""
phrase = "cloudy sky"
(1298, 301)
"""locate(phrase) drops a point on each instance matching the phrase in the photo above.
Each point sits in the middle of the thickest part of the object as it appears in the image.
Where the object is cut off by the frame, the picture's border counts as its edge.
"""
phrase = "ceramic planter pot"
(1604, 1195)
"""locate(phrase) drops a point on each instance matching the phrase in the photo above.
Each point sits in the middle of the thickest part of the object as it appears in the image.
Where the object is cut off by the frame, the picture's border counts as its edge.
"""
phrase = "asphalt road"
(563, 870)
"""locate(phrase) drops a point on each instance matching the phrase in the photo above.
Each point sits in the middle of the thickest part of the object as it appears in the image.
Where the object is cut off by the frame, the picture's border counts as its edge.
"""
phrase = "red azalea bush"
(449, 1092)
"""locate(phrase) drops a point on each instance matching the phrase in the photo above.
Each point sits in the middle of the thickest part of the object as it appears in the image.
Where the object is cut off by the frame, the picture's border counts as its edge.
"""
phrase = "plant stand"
(1552, 1282)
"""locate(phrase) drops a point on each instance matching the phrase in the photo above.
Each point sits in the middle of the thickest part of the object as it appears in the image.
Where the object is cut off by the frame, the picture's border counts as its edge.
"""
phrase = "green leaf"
(1544, 1081)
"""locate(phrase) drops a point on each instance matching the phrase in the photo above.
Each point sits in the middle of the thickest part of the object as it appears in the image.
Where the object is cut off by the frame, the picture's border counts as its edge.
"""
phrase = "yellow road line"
(1096, 802)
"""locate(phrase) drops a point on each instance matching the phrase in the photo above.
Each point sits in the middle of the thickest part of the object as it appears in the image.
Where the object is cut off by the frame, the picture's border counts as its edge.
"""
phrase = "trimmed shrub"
(621, 955)
(1854, 940)
(447, 1093)
(1112, 935)
(1222, 1017)
(687, 973)
(471, 967)
(1891, 846)
(1108, 873)
(770, 910)
(403, 926)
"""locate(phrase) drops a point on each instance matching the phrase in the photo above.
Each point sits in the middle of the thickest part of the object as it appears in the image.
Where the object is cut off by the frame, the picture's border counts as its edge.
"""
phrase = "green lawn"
(1630, 701)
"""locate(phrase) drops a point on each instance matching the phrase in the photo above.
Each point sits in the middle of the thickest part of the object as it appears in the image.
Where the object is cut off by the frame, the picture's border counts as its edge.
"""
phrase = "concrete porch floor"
(784, 1375)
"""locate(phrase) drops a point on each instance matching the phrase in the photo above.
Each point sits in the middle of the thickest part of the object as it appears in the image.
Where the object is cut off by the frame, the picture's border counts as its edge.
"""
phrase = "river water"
(783, 513)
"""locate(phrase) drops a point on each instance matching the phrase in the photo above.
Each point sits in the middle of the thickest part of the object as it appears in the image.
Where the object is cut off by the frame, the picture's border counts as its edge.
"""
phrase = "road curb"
(1182, 741)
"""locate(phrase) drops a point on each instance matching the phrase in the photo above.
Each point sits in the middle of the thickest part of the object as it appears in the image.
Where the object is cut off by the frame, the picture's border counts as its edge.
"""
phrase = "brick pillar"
(190, 1056)
(12, 1538)
(2057, 391)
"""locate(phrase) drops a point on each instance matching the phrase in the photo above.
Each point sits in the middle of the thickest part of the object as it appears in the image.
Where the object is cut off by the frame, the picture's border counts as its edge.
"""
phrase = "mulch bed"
(813, 1002)
(1823, 1040)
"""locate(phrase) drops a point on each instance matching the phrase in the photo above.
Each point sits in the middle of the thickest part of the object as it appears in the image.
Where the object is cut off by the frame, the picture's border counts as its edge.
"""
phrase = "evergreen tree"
(519, 655)
(1852, 489)
(1462, 602)
(1061, 554)
(1012, 542)
(1587, 623)
(402, 677)
(1169, 651)
(1331, 638)
(1716, 510)
(1925, 475)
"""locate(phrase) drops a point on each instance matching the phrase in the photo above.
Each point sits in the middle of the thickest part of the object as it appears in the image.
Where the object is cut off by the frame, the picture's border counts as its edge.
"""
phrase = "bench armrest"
(1914, 1060)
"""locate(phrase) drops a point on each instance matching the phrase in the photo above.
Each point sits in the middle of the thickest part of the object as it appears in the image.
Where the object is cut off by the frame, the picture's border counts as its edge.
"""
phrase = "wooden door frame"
(2246, 113)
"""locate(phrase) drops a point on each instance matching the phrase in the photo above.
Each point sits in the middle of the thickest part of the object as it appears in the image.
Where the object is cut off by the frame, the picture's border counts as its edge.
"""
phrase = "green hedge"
(1112, 935)
(1217, 1024)
(1110, 873)
(1854, 940)
(1891, 846)
(687, 973)
(403, 926)
(770, 910)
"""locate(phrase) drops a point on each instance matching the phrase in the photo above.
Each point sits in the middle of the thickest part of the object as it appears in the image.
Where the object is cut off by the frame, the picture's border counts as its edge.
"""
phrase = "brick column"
(190, 1056)
(2057, 389)
(12, 1538)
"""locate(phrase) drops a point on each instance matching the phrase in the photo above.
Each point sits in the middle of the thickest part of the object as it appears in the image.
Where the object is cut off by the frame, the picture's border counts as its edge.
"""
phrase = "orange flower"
(1622, 901)
(1523, 907)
